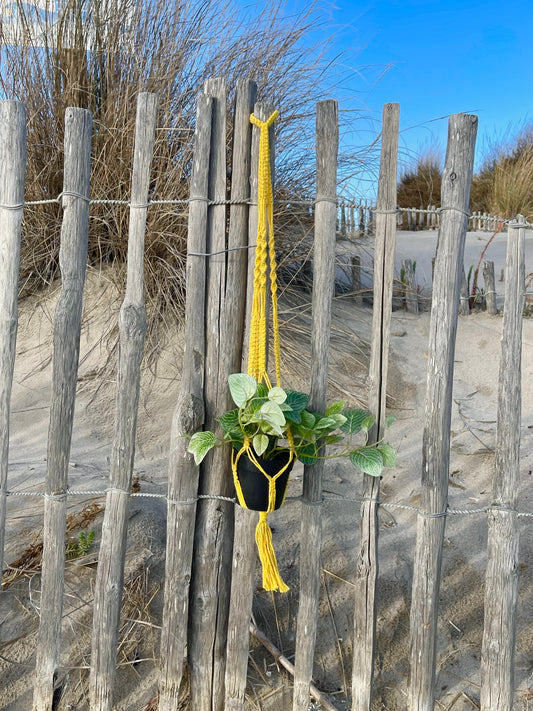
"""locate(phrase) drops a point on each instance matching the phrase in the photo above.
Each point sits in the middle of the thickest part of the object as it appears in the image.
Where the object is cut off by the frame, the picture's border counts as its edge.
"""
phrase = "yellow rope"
(265, 252)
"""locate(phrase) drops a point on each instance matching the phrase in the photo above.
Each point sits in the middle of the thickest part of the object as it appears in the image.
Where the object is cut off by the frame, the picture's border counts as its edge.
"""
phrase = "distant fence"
(356, 218)
(210, 550)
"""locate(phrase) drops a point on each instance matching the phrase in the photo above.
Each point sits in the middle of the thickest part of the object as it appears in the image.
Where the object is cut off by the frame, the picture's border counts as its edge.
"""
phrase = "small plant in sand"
(81, 546)
(271, 422)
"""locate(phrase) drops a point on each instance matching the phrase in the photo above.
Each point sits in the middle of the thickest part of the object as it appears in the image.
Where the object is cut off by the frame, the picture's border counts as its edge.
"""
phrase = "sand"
(473, 436)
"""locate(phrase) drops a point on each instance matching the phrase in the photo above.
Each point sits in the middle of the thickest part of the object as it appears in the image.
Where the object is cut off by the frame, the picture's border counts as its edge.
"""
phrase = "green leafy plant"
(270, 418)
(81, 546)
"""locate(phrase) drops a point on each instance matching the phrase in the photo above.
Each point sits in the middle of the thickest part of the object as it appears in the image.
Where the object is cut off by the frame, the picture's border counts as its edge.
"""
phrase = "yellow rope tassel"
(272, 579)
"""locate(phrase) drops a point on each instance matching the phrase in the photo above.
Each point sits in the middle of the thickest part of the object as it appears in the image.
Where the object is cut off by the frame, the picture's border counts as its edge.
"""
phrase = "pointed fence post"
(327, 144)
(367, 557)
(67, 326)
(188, 417)
(132, 325)
(456, 181)
(501, 581)
(12, 175)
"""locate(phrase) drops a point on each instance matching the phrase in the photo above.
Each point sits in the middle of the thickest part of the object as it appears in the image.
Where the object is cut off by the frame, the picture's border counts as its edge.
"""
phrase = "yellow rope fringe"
(272, 580)
(265, 252)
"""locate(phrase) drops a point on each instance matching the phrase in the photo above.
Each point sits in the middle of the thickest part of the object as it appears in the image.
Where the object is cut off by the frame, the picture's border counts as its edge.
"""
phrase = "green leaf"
(229, 421)
(262, 390)
(369, 461)
(339, 419)
(389, 455)
(354, 421)
(391, 419)
(333, 439)
(298, 402)
(260, 442)
(336, 408)
(307, 454)
(326, 423)
(242, 387)
(303, 432)
(368, 422)
(200, 444)
(308, 420)
(272, 413)
(277, 395)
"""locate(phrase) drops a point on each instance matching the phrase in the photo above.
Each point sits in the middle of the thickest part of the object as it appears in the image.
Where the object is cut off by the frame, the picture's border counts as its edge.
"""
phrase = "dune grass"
(98, 54)
(503, 186)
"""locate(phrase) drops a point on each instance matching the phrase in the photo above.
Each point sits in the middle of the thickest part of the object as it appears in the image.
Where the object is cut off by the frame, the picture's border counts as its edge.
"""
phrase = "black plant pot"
(254, 483)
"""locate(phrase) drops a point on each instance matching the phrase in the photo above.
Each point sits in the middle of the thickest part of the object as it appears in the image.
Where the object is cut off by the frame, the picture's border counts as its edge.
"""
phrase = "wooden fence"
(357, 218)
(210, 559)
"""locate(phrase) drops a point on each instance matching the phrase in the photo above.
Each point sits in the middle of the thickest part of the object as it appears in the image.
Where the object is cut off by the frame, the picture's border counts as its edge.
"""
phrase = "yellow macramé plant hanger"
(265, 253)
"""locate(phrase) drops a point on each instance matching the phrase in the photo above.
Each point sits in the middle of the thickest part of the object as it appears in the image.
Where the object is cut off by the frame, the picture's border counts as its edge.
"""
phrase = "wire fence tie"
(222, 251)
(20, 206)
(455, 209)
(56, 497)
(71, 193)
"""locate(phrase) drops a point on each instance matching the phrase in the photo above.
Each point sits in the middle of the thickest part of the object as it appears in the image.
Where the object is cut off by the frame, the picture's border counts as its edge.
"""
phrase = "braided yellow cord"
(265, 226)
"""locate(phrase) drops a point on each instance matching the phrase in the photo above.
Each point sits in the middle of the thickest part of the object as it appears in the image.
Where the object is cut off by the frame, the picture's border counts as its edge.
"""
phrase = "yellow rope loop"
(234, 463)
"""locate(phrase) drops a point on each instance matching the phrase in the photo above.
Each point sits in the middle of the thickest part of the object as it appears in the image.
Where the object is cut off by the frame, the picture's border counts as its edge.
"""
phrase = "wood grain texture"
(410, 286)
(464, 299)
(490, 287)
(501, 581)
(455, 195)
(244, 551)
(327, 144)
(367, 557)
(66, 342)
(12, 175)
(183, 474)
(211, 573)
(132, 327)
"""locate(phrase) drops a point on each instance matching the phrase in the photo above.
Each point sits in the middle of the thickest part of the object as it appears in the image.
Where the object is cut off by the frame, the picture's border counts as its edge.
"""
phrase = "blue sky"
(436, 58)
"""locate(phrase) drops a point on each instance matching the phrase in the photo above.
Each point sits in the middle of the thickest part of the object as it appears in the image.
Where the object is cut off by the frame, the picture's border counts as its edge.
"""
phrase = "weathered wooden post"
(67, 326)
(188, 417)
(356, 280)
(456, 181)
(490, 287)
(433, 225)
(367, 557)
(327, 145)
(410, 286)
(343, 221)
(211, 570)
(464, 298)
(12, 175)
(501, 581)
(132, 326)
